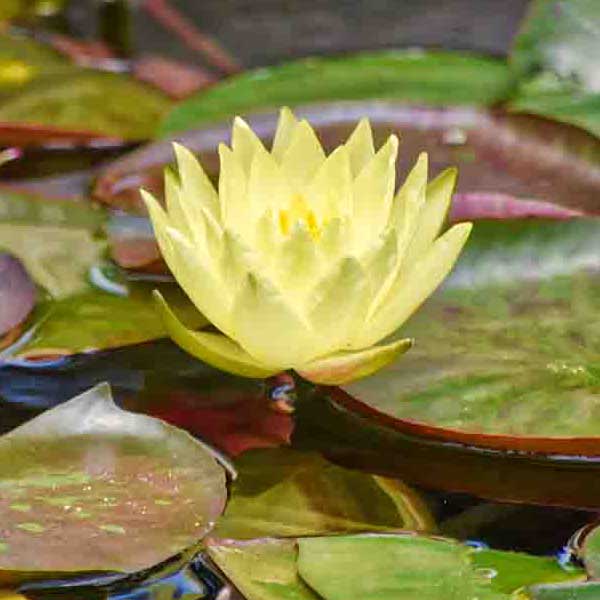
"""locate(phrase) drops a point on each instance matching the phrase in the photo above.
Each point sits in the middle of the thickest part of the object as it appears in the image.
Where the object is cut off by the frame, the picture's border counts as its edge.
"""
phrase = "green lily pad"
(89, 487)
(386, 567)
(506, 354)
(416, 76)
(555, 57)
(378, 566)
(286, 493)
(261, 569)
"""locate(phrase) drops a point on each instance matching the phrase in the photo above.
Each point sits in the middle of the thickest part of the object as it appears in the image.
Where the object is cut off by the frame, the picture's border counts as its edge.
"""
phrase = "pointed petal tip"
(345, 367)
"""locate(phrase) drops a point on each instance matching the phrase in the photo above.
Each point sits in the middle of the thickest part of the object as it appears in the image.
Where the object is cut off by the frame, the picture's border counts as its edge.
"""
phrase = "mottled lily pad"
(500, 157)
(378, 566)
(507, 352)
(88, 487)
(286, 493)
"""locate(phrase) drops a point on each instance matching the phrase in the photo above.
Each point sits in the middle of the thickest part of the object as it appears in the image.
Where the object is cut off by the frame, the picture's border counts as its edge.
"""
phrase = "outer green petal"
(344, 367)
(212, 348)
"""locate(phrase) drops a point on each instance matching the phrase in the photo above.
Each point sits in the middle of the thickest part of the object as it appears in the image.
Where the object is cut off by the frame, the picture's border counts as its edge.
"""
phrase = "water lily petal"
(344, 367)
(233, 184)
(203, 286)
(373, 191)
(245, 143)
(297, 264)
(360, 146)
(330, 193)
(213, 348)
(411, 289)
(267, 186)
(303, 156)
(195, 184)
(283, 135)
(432, 215)
(190, 217)
(268, 327)
(405, 213)
(338, 302)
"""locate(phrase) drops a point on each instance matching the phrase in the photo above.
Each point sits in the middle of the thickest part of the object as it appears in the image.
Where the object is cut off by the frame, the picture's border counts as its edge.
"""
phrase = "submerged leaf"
(102, 490)
(289, 493)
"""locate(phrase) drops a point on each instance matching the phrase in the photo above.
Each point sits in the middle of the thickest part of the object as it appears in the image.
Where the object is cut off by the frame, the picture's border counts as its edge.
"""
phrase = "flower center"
(299, 212)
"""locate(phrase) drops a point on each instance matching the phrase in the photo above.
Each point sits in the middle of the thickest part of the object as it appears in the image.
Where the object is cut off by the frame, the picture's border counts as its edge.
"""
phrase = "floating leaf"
(555, 54)
(288, 493)
(377, 566)
(506, 354)
(106, 103)
(262, 569)
(500, 157)
(97, 320)
(413, 76)
(108, 491)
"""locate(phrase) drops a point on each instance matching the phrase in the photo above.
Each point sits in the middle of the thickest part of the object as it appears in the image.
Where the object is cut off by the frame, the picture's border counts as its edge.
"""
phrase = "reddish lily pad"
(17, 293)
(499, 156)
(507, 352)
(105, 491)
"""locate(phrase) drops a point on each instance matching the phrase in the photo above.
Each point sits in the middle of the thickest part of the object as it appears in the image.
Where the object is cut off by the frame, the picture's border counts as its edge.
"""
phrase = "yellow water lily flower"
(301, 260)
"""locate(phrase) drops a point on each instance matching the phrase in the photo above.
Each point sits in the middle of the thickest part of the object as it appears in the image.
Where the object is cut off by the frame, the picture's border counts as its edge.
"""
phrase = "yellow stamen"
(299, 211)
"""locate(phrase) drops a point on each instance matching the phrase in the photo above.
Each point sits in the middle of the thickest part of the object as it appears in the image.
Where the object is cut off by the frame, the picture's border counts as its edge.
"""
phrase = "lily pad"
(287, 493)
(415, 76)
(104, 491)
(377, 566)
(79, 102)
(507, 352)
(555, 57)
(500, 157)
